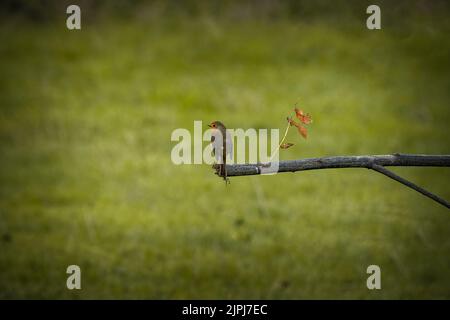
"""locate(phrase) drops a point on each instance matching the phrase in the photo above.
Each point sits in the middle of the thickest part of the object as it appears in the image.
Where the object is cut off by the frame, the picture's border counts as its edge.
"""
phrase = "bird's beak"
(209, 125)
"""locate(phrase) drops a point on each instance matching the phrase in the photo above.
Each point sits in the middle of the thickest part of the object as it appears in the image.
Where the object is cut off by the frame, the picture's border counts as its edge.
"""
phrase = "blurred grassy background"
(86, 176)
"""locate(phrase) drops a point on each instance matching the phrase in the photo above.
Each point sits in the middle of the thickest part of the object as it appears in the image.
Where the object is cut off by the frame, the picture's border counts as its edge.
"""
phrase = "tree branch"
(410, 160)
(413, 186)
(376, 162)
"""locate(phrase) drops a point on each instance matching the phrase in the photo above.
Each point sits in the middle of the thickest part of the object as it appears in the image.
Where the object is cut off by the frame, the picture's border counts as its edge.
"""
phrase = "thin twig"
(281, 142)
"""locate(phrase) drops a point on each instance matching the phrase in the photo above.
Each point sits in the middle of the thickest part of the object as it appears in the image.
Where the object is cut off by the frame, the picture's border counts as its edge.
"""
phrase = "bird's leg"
(227, 181)
(221, 171)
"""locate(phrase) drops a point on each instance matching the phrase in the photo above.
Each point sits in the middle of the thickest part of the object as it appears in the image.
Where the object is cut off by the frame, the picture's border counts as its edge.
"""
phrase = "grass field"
(86, 176)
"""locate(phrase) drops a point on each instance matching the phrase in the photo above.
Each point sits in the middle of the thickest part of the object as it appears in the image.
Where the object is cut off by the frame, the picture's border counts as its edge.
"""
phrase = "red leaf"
(303, 131)
(293, 123)
(286, 145)
(303, 117)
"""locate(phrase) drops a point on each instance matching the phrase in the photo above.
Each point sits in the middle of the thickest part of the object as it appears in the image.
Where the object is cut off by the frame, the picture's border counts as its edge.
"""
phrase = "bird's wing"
(213, 138)
(216, 141)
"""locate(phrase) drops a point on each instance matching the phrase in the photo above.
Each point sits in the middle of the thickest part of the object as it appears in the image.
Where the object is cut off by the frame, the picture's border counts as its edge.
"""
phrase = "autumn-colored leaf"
(303, 117)
(293, 123)
(303, 131)
(286, 145)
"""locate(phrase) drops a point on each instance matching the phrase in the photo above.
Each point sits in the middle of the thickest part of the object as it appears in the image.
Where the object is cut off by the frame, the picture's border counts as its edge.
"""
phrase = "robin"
(222, 146)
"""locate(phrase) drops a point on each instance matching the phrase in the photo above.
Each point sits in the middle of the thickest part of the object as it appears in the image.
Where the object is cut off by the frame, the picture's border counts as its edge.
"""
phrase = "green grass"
(86, 176)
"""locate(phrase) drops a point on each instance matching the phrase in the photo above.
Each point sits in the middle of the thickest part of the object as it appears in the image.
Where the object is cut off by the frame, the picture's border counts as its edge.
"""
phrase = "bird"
(222, 146)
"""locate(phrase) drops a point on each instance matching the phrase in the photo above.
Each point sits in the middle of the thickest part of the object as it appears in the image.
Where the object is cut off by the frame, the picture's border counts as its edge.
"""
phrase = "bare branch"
(410, 160)
(375, 162)
(413, 186)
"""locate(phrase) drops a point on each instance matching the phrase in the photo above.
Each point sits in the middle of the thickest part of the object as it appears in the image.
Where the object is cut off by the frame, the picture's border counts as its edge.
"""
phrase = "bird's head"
(216, 125)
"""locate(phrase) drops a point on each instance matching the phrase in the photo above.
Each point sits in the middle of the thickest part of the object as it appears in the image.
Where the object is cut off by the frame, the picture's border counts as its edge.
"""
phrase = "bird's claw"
(216, 167)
